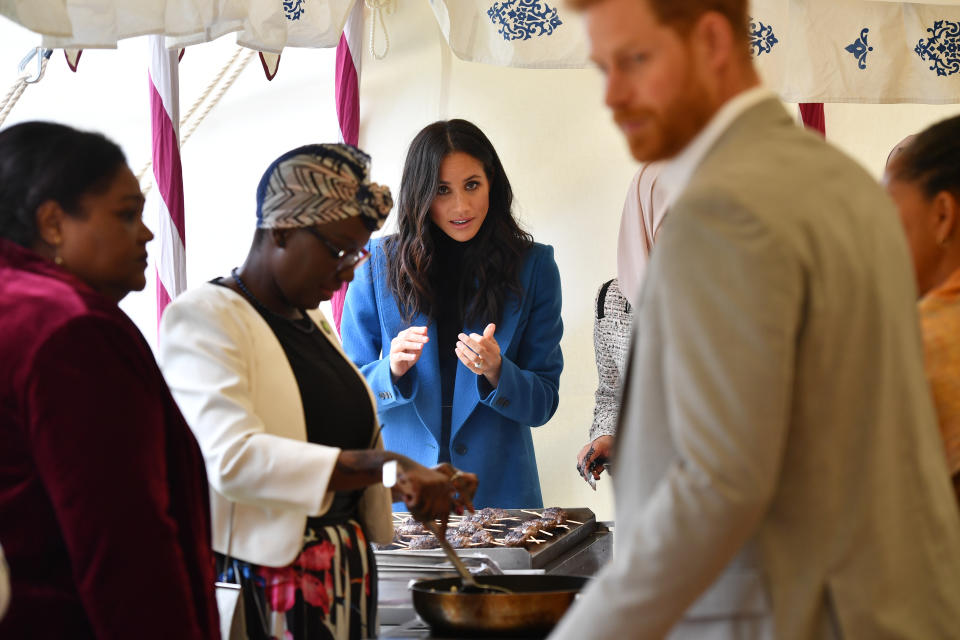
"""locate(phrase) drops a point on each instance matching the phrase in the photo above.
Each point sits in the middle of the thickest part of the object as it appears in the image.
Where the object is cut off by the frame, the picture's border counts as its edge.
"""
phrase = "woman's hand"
(464, 483)
(431, 494)
(406, 349)
(593, 456)
(481, 354)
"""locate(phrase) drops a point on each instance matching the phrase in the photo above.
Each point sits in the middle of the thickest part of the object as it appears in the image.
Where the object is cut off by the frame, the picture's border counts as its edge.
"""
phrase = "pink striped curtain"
(349, 56)
(167, 172)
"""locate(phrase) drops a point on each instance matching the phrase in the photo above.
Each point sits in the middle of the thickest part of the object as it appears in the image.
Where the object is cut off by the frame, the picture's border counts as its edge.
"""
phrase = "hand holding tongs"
(466, 578)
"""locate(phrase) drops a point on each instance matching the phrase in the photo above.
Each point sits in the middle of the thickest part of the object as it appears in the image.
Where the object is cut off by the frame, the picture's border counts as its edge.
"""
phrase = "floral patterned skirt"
(328, 593)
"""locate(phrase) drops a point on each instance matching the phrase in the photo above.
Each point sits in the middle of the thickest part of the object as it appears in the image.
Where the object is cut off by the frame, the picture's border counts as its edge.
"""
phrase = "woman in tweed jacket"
(643, 213)
(611, 341)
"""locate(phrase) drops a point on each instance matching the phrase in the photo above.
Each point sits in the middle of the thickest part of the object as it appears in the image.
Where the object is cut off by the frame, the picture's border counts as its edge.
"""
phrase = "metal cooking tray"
(534, 556)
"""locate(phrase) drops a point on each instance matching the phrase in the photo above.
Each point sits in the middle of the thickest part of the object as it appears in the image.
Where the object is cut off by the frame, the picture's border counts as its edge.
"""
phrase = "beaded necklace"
(303, 323)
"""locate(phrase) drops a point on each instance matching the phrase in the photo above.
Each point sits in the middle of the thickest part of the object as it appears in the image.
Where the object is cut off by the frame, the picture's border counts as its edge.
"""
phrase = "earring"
(56, 243)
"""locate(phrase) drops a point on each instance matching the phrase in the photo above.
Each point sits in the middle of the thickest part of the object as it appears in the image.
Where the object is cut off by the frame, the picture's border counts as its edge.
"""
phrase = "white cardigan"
(236, 389)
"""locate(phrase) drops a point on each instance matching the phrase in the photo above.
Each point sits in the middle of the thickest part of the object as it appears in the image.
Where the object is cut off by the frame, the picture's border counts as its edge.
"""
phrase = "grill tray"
(533, 556)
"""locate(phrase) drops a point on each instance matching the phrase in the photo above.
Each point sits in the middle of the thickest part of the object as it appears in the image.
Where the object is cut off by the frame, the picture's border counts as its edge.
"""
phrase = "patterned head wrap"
(320, 183)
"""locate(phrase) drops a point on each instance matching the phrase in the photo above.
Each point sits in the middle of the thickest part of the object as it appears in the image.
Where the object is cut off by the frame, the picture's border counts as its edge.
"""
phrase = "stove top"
(416, 628)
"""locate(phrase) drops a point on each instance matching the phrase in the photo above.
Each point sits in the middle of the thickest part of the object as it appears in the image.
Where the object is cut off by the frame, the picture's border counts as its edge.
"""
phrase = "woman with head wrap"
(103, 498)
(923, 178)
(643, 212)
(455, 320)
(286, 423)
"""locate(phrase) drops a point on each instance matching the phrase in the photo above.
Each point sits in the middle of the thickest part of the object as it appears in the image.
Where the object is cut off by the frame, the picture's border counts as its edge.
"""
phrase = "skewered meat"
(424, 542)
(468, 527)
(474, 529)
(488, 515)
(517, 538)
(458, 540)
(521, 534)
(482, 538)
(546, 524)
(558, 515)
(528, 530)
(415, 529)
(530, 527)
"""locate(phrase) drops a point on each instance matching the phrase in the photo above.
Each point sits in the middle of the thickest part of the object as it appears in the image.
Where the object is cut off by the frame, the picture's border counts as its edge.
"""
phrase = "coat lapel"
(429, 396)
(466, 395)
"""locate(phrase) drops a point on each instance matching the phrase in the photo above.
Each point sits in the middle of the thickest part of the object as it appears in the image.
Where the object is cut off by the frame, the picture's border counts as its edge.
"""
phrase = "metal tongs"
(587, 473)
(469, 585)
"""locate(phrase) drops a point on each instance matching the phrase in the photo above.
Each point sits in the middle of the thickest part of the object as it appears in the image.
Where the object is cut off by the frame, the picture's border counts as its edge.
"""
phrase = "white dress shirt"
(676, 174)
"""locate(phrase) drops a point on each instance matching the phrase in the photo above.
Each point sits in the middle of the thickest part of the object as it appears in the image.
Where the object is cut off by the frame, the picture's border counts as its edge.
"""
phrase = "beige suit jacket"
(779, 473)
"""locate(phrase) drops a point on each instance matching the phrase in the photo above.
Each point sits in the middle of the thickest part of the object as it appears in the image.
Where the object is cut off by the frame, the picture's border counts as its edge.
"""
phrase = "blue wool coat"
(490, 428)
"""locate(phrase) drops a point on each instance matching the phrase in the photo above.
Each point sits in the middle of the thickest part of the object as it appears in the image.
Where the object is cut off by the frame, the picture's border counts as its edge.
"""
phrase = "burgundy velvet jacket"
(104, 513)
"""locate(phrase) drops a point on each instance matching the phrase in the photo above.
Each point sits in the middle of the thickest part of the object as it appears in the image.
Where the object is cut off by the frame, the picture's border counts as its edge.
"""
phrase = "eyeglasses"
(345, 259)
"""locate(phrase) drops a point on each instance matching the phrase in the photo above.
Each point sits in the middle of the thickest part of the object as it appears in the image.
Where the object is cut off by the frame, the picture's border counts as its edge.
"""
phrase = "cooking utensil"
(466, 579)
(532, 610)
(587, 472)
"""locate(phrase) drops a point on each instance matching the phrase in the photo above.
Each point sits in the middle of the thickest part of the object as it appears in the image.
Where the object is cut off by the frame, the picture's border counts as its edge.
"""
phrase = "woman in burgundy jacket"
(103, 499)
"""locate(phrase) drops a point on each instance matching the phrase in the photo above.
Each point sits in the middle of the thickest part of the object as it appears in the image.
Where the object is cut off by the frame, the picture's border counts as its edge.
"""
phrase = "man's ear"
(947, 210)
(714, 41)
(49, 217)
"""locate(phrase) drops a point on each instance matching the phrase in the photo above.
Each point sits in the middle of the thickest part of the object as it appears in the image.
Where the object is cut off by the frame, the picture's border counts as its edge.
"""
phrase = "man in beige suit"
(779, 473)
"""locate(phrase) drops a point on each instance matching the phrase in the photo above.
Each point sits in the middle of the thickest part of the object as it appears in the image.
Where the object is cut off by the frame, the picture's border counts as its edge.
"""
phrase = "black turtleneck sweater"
(447, 279)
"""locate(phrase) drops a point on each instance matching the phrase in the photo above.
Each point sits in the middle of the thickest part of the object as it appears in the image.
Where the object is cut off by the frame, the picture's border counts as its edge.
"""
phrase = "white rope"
(12, 96)
(19, 86)
(233, 78)
(206, 92)
(193, 108)
(379, 8)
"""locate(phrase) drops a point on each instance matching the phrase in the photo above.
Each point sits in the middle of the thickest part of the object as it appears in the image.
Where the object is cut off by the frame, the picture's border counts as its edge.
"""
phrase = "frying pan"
(535, 606)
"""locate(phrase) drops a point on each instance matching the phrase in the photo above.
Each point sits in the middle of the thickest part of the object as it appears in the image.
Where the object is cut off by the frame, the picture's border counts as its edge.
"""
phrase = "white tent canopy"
(807, 50)
(265, 25)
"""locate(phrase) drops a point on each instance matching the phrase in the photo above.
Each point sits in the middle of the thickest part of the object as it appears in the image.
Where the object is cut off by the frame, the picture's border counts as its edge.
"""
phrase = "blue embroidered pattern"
(293, 9)
(762, 37)
(521, 19)
(942, 49)
(860, 48)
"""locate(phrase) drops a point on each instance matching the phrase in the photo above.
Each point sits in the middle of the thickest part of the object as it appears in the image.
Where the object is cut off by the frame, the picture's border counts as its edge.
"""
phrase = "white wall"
(869, 131)
(567, 163)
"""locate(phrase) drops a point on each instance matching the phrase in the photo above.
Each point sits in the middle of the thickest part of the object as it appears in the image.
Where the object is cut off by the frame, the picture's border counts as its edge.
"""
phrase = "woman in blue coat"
(455, 321)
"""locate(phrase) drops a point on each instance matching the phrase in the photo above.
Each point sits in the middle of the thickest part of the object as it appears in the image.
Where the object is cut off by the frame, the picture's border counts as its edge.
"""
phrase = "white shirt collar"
(679, 169)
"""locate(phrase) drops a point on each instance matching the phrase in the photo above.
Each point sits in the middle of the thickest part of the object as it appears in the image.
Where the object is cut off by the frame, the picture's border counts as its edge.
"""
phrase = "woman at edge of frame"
(455, 321)
(104, 512)
(923, 179)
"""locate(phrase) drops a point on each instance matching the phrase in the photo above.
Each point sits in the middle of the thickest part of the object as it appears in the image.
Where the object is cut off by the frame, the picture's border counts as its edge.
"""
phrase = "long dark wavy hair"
(492, 259)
